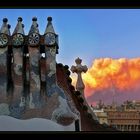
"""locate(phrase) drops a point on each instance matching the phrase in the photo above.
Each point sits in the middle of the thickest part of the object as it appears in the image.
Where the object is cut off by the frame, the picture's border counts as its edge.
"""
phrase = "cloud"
(109, 77)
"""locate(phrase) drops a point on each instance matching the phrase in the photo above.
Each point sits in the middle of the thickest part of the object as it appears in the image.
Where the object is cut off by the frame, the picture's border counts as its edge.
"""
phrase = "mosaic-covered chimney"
(51, 45)
(28, 82)
(34, 53)
(4, 33)
(17, 66)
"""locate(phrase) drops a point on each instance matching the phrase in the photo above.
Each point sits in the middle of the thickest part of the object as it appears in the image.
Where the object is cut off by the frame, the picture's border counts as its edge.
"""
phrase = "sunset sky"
(91, 34)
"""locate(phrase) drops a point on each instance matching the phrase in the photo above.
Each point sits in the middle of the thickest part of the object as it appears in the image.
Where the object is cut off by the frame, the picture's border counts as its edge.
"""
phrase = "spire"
(19, 27)
(4, 29)
(49, 27)
(34, 26)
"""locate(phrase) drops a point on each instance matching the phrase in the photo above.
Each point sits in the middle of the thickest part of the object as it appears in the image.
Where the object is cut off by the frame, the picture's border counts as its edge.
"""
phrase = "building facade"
(124, 120)
(101, 116)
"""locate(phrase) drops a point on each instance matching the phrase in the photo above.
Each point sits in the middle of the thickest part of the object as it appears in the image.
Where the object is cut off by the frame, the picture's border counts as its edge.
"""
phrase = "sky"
(90, 34)
(87, 33)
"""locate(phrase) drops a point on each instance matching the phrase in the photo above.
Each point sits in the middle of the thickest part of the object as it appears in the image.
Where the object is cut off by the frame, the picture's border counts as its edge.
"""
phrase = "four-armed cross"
(79, 69)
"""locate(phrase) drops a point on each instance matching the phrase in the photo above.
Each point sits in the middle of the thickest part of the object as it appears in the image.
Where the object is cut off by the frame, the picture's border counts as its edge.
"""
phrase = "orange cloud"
(123, 74)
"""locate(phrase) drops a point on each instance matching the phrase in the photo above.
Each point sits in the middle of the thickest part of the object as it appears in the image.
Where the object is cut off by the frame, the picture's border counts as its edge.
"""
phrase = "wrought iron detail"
(18, 39)
(50, 39)
(3, 40)
(34, 39)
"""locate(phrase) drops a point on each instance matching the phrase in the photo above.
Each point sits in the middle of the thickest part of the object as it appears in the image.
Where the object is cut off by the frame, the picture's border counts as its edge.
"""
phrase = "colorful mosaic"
(29, 70)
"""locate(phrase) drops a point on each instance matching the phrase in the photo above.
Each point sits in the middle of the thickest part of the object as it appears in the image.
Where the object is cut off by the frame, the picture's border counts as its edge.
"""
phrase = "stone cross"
(79, 69)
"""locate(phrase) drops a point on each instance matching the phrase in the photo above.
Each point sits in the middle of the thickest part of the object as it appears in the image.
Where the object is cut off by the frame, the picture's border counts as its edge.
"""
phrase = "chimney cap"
(49, 18)
(34, 19)
(19, 19)
(5, 20)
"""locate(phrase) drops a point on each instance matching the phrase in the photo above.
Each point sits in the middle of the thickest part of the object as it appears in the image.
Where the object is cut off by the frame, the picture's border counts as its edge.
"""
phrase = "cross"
(78, 69)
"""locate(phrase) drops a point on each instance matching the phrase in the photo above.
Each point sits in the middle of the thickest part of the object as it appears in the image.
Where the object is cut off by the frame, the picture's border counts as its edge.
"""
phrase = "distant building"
(124, 120)
(125, 117)
(132, 105)
(101, 116)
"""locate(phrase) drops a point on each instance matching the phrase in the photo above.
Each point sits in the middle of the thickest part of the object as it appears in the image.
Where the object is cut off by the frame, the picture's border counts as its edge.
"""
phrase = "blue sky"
(87, 33)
